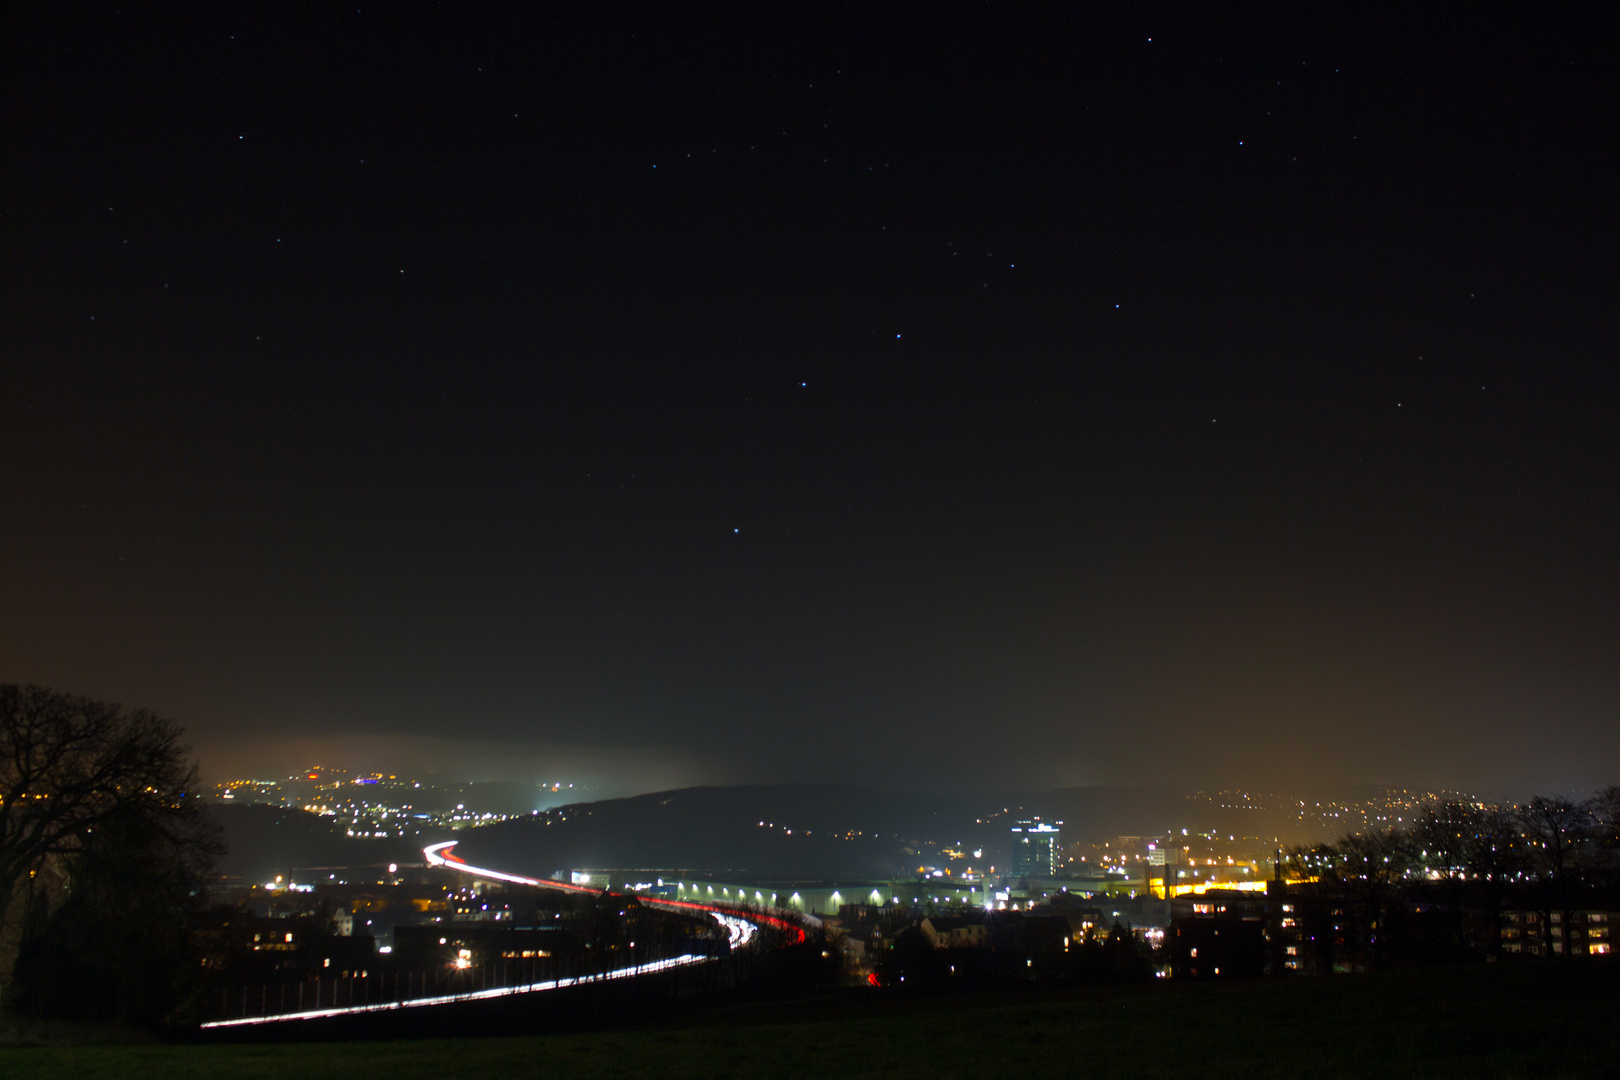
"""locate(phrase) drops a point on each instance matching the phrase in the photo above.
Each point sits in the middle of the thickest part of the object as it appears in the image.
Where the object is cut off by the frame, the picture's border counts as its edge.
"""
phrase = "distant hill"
(805, 831)
(1099, 813)
(263, 841)
(811, 831)
(791, 830)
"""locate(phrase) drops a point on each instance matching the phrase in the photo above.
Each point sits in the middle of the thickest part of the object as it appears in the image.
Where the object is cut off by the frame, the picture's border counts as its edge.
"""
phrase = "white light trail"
(739, 932)
(472, 995)
(435, 859)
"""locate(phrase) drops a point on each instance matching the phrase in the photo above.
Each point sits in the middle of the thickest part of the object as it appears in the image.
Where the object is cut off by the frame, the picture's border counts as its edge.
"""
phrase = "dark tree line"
(1438, 888)
(104, 854)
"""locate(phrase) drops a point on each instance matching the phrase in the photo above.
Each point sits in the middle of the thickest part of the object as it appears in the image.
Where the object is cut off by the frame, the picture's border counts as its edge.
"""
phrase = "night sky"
(953, 396)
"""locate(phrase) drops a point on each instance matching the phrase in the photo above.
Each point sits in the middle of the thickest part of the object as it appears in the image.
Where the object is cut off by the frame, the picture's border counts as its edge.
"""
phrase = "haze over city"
(818, 540)
(973, 403)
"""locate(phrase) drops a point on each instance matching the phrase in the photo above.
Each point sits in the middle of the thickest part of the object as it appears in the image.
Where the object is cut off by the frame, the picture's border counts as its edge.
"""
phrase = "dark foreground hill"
(1544, 1020)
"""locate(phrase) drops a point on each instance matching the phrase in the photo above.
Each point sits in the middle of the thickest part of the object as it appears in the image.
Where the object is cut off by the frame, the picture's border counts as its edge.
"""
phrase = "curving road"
(441, 855)
(740, 926)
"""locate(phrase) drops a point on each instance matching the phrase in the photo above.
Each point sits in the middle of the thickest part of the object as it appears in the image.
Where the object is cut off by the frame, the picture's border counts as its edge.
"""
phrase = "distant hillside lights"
(1391, 807)
(378, 805)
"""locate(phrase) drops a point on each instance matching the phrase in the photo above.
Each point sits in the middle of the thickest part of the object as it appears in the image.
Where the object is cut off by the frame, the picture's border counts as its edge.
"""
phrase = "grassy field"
(1539, 1020)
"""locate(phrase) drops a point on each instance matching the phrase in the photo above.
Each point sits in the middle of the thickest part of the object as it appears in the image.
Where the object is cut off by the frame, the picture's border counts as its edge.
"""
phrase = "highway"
(741, 928)
(441, 855)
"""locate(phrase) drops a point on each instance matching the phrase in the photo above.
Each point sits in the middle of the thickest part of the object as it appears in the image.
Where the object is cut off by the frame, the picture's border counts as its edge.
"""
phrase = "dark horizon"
(970, 399)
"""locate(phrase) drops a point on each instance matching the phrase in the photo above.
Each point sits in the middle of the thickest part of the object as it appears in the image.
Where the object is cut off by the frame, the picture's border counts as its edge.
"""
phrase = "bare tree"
(1441, 832)
(1443, 835)
(1319, 898)
(1495, 856)
(70, 765)
(1347, 891)
(1557, 830)
(1365, 900)
(1604, 809)
(1374, 865)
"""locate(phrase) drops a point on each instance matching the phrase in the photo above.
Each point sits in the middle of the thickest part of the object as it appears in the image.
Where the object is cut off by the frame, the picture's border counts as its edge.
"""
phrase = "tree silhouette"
(1557, 831)
(90, 792)
(1444, 835)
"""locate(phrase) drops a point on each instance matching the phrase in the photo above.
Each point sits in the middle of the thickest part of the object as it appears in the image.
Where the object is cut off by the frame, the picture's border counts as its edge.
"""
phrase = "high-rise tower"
(1035, 848)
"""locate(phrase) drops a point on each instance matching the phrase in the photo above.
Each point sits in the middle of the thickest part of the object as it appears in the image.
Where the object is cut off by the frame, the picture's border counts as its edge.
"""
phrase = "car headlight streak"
(740, 932)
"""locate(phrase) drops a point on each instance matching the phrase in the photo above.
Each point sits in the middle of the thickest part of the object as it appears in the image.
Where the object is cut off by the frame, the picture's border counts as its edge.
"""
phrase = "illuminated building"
(1532, 933)
(1223, 934)
(955, 932)
(1035, 848)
